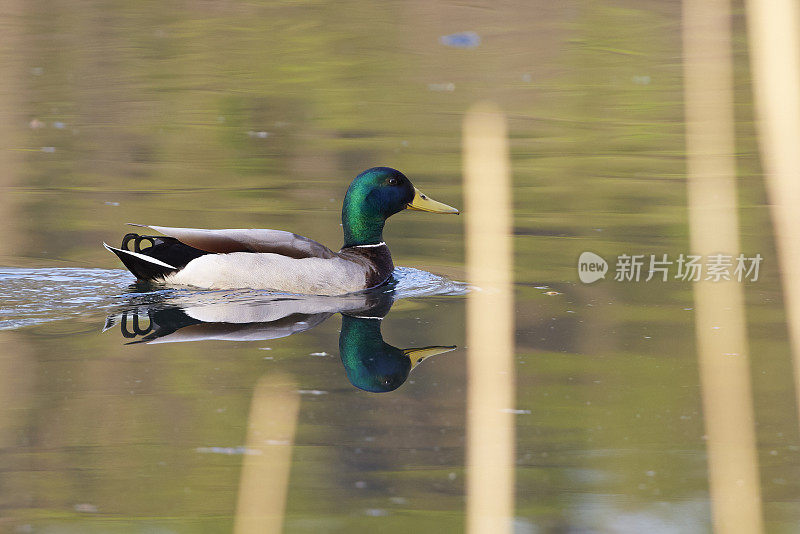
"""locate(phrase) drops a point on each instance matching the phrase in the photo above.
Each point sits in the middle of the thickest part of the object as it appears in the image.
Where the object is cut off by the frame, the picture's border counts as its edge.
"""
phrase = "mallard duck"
(279, 260)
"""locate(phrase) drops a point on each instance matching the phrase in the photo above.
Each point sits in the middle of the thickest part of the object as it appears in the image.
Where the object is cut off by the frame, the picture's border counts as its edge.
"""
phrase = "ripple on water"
(417, 283)
(34, 296)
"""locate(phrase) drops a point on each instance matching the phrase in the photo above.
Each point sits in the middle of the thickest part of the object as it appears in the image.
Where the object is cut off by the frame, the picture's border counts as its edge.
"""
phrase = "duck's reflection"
(370, 363)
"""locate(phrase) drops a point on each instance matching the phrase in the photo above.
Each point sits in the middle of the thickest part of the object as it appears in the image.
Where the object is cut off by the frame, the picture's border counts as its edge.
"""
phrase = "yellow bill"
(422, 202)
(417, 356)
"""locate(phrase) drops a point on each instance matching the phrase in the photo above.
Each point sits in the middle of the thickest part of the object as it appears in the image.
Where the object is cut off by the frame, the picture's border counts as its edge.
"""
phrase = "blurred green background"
(239, 114)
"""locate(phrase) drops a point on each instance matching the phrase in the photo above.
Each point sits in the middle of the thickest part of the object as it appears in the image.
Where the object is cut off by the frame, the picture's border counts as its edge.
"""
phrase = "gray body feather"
(248, 240)
(274, 259)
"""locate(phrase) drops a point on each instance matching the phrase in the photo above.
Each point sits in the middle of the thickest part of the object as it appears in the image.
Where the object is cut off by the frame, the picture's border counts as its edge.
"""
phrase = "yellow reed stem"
(720, 324)
(490, 323)
(266, 465)
(775, 64)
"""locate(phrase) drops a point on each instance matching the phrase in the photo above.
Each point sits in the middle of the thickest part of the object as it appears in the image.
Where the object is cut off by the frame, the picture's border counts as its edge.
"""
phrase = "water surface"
(244, 114)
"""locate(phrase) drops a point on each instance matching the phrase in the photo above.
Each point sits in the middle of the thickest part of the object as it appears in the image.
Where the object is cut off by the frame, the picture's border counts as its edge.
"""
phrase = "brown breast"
(376, 258)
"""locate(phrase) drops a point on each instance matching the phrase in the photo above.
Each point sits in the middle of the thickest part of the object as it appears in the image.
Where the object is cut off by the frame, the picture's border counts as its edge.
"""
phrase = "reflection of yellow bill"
(422, 202)
(418, 355)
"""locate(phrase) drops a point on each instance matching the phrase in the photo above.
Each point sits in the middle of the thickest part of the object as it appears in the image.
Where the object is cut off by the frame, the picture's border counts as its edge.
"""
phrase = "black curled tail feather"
(166, 249)
(143, 267)
(163, 256)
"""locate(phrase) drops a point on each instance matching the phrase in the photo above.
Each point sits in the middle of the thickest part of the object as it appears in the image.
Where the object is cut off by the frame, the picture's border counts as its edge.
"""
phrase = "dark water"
(248, 114)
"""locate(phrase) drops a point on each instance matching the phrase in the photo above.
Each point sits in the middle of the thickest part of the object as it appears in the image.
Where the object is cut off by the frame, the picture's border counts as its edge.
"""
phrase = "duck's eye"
(392, 181)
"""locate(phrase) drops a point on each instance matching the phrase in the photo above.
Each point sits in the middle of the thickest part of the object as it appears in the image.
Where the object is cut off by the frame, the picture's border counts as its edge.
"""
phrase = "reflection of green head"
(373, 365)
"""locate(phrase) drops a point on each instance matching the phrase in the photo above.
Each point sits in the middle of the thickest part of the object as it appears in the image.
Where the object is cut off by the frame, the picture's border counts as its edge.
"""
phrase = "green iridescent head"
(370, 363)
(375, 195)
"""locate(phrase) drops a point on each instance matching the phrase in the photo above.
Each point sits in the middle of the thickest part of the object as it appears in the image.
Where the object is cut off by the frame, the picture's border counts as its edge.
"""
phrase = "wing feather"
(248, 240)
